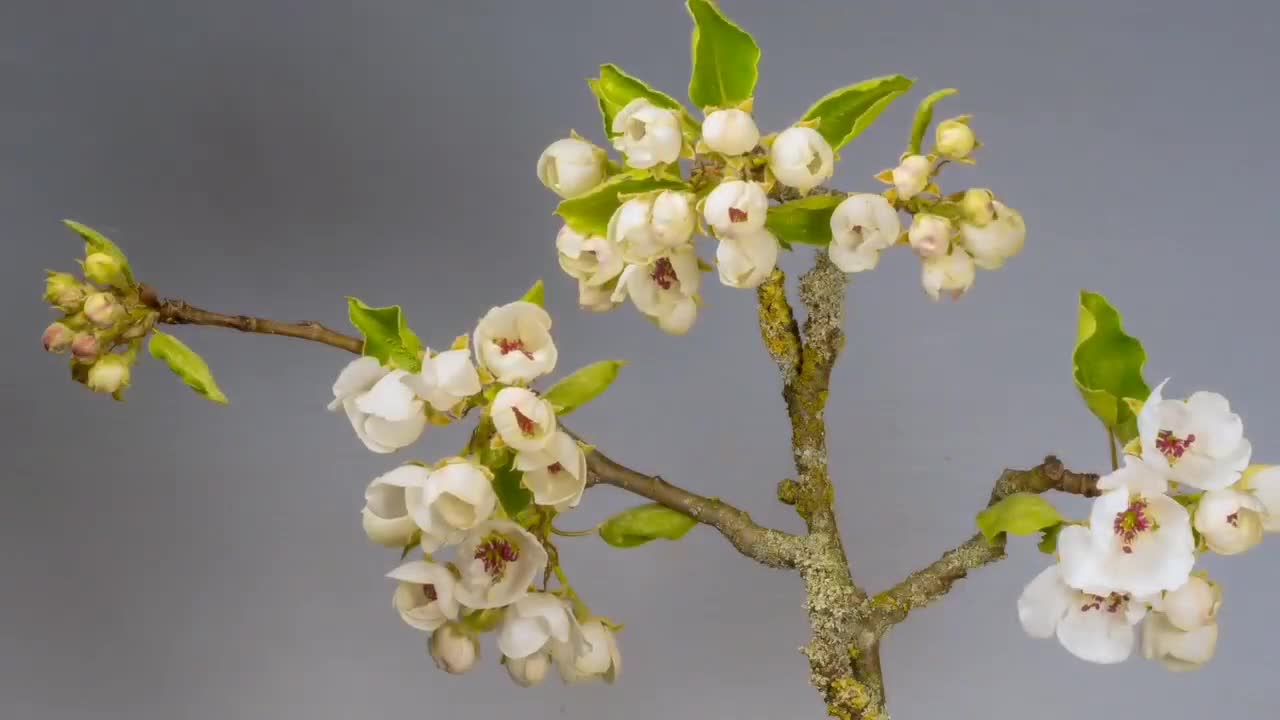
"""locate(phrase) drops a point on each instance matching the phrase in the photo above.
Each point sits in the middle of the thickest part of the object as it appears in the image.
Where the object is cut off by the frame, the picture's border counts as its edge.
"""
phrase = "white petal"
(390, 399)
(1044, 602)
(394, 435)
(1096, 635)
(1265, 485)
(359, 375)
(1136, 477)
(521, 637)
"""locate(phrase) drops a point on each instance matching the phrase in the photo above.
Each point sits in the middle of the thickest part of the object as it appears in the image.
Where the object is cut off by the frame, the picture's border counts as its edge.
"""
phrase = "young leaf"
(725, 58)
(614, 89)
(644, 523)
(1019, 514)
(386, 336)
(807, 220)
(536, 295)
(509, 487)
(1049, 539)
(924, 116)
(1107, 366)
(583, 386)
(845, 113)
(186, 364)
(95, 241)
(589, 214)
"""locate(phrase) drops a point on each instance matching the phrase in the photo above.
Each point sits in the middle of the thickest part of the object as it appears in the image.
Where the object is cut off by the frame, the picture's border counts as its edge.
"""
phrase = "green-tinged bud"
(110, 374)
(955, 139)
(63, 291)
(979, 206)
(104, 269)
(57, 337)
(102, 309)
(140, 323)
(84, 347)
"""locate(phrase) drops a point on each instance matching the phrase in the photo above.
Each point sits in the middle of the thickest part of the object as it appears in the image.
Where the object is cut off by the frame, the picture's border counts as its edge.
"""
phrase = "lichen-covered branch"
(924, 586)
(778, 327)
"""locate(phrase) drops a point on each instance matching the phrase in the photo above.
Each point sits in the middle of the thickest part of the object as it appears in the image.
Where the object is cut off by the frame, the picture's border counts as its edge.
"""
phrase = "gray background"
(167, 558)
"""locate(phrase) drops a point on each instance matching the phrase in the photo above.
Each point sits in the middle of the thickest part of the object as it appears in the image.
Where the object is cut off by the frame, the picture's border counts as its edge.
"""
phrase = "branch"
(924, 586)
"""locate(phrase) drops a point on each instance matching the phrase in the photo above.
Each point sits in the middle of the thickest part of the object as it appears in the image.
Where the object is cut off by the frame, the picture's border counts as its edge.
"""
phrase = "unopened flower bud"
(930, 235)
(802, 158)
(954, 139)
(57, 337)
(63, 291)
(571, 167)
(102, 309)
(453, 649)
(952, 273)
(109, 374)
(104, 270)
(1193, 605)
(84, 347)
(647, 134)
(978, 206)
(911, 176)
(529, 671)
(732, 132)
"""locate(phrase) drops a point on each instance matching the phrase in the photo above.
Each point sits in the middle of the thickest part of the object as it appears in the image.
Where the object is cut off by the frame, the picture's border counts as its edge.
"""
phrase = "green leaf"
(95, 241)
(1049, 538)
(186, 364)
(536, 294)
(386, 336)
(1107, 366)
(583, 386)
(845, 113)
(614, 89)
(644, 523)
(1019, 514)
(508, 485)
(589, 214)
(924, 116)
(725, 59)
(807, 220)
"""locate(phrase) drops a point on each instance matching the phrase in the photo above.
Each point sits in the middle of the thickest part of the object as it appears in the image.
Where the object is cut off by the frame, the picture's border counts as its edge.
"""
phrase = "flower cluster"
(501, 551)
(1185, 488)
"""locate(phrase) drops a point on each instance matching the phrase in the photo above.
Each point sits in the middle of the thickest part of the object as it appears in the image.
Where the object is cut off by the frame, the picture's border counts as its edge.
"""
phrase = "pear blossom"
(997, 240)
(454, 649)
(730, 132)
(1193, 605)
(930, 235)
(104, 269)
(529, 671)
(385, 516)
(64, 292)
(84, 347)
(557, 473)
(446, 379)
(978, 206)
(862, 226)
(1175, 648)
(802, 158)
(911, 176)
(499, 559)
(736, 207)
(513, 342)
(444, 502)
(952, 273)
(424, 596)
(102, 309)
(524, 421)
(1137, 543)
(593, 260)
(1197, 442)
(954, 139)
(1094, 628)
(383, 411)
(644, 227)
(57, 337)
(665, 289)
(1136, 477)
(1230, 520)
(571, 166)
(1264, 482)
(537, 623)
(597, 298)
(745, 260)
(596, 658)
(110, 374)
(647, 134)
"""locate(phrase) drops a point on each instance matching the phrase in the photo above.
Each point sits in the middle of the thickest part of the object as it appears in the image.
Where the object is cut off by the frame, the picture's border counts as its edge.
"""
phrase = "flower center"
(664, 273)
(1234, 519)
(1132, 522)
(496, 552)
(635, 129)
(1113, 603)
(507, 346)
(430, 591)
(736, 215)
(555, 468)
(1172, 446)
(524, 422)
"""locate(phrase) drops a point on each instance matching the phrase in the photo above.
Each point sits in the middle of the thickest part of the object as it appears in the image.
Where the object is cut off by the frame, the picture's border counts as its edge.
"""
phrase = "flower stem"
(574, 533)
(1111, 443)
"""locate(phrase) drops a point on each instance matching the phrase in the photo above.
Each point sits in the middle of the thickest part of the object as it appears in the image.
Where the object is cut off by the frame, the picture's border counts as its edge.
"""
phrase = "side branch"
(778, 326)
(924, 586)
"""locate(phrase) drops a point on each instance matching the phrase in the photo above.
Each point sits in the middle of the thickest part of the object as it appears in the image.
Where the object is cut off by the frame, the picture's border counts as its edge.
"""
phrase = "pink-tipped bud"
(102, 309)
(85, 348)
(57, 337)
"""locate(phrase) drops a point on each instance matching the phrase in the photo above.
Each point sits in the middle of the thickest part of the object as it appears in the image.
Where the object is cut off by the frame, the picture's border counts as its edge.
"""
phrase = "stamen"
(1172, 446)
(1234, 519)
(430, 591)
(1132, 522)
(736, 215)
(507, 346)
(554, 468)
(664, 273)
(496, 552)
(524, 422)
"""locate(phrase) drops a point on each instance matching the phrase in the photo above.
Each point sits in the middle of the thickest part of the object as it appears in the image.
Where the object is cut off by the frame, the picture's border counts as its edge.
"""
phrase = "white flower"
(454, 649)
(1264, 482)
(571, 167)
(593, 260)
(514, 342)
(731, 132)
(954, 139)
(745, 260)
(1094, 628)
(979, 206)
(1178, 649)
(1229, 520)
(529, 671)
(384, 412)
(998, 240)
(385, 516)
(911, 176)
(802, 158)
(537, 623)
(523, 420)
(499, 560)
(596, 298)
(1136, 543)
(1197, 442)
(664, 289)
(557, 473)
(424, 598)
(446, 379)
(597, 658)
(1193, 605)
(445, 502)
(862, 226)
(109, 374)
(647, 134)
(644, 227)
(736, 207)
(952, 273)
(930, 235)
(1135, 476)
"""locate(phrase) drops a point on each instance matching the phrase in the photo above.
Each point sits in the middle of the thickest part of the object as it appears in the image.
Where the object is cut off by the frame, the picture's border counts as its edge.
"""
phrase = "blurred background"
(166, 558)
